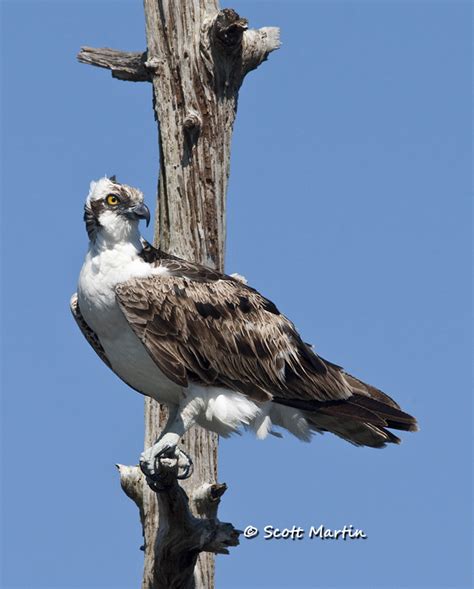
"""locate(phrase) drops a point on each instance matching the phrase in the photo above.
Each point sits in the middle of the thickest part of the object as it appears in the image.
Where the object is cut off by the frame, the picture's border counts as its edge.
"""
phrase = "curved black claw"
(188, 468)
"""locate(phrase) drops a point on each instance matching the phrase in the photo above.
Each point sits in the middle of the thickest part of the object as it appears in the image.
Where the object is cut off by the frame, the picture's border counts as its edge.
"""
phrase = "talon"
(148, 472)
(188, 467)
(150, 466)
(167, 452)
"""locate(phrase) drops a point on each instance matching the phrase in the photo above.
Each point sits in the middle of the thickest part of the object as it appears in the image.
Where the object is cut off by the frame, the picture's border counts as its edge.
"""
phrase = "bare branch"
(257, 45)
(124, 65)
(182, 536)
(132, 482)
(242, 49)
(207, 497)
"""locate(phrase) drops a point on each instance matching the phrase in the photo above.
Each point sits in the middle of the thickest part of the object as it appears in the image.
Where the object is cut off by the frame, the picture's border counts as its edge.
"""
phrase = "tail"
(362, 419)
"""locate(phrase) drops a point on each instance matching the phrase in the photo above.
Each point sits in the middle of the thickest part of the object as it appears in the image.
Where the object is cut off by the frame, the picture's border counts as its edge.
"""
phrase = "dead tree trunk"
(197, 58)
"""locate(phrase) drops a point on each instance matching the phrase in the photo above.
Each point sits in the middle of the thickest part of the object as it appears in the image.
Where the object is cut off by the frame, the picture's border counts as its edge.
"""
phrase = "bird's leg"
(166, 446)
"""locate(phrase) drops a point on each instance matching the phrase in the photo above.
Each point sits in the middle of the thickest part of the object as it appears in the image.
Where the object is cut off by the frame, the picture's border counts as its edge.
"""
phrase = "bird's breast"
(97, 302)
(100, 274)
(124, 350)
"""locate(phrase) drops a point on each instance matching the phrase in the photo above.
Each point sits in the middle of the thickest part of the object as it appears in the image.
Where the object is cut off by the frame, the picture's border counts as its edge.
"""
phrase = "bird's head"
(113, 210)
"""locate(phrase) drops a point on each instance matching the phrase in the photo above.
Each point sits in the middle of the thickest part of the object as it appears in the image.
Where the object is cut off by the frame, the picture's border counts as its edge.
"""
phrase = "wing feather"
(202, 326)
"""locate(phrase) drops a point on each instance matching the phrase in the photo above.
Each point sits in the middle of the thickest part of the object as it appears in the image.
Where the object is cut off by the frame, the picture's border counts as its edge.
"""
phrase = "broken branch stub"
(181, 536)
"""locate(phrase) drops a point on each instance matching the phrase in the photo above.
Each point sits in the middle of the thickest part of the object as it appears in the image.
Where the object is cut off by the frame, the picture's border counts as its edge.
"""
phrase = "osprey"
(210, 347)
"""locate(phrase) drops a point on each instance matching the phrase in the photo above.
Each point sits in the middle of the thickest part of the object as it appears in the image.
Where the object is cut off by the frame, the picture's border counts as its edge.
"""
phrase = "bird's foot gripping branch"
(182, 536)
(150, 462)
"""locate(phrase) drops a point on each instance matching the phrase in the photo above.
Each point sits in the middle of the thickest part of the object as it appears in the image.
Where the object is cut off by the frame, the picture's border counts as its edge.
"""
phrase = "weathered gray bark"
(182, 536)
(196, 59)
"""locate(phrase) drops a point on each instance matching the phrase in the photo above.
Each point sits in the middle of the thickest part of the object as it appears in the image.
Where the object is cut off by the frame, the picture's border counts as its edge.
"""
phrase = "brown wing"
(87, 332)
(202, 326)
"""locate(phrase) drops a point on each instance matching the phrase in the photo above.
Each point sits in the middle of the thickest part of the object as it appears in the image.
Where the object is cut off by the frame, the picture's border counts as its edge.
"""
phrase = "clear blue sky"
(349, 205)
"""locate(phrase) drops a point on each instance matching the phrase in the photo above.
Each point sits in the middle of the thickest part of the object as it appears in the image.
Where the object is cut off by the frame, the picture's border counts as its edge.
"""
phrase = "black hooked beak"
(140, 211)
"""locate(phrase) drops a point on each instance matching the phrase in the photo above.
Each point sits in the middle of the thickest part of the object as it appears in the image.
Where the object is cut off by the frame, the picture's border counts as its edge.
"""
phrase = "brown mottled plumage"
(203, 326)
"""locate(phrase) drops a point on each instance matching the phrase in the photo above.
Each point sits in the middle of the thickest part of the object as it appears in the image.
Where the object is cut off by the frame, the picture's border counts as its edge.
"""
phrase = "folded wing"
(205, 327)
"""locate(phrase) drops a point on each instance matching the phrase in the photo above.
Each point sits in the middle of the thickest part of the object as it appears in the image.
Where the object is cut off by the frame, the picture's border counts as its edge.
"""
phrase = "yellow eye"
(112, 200)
